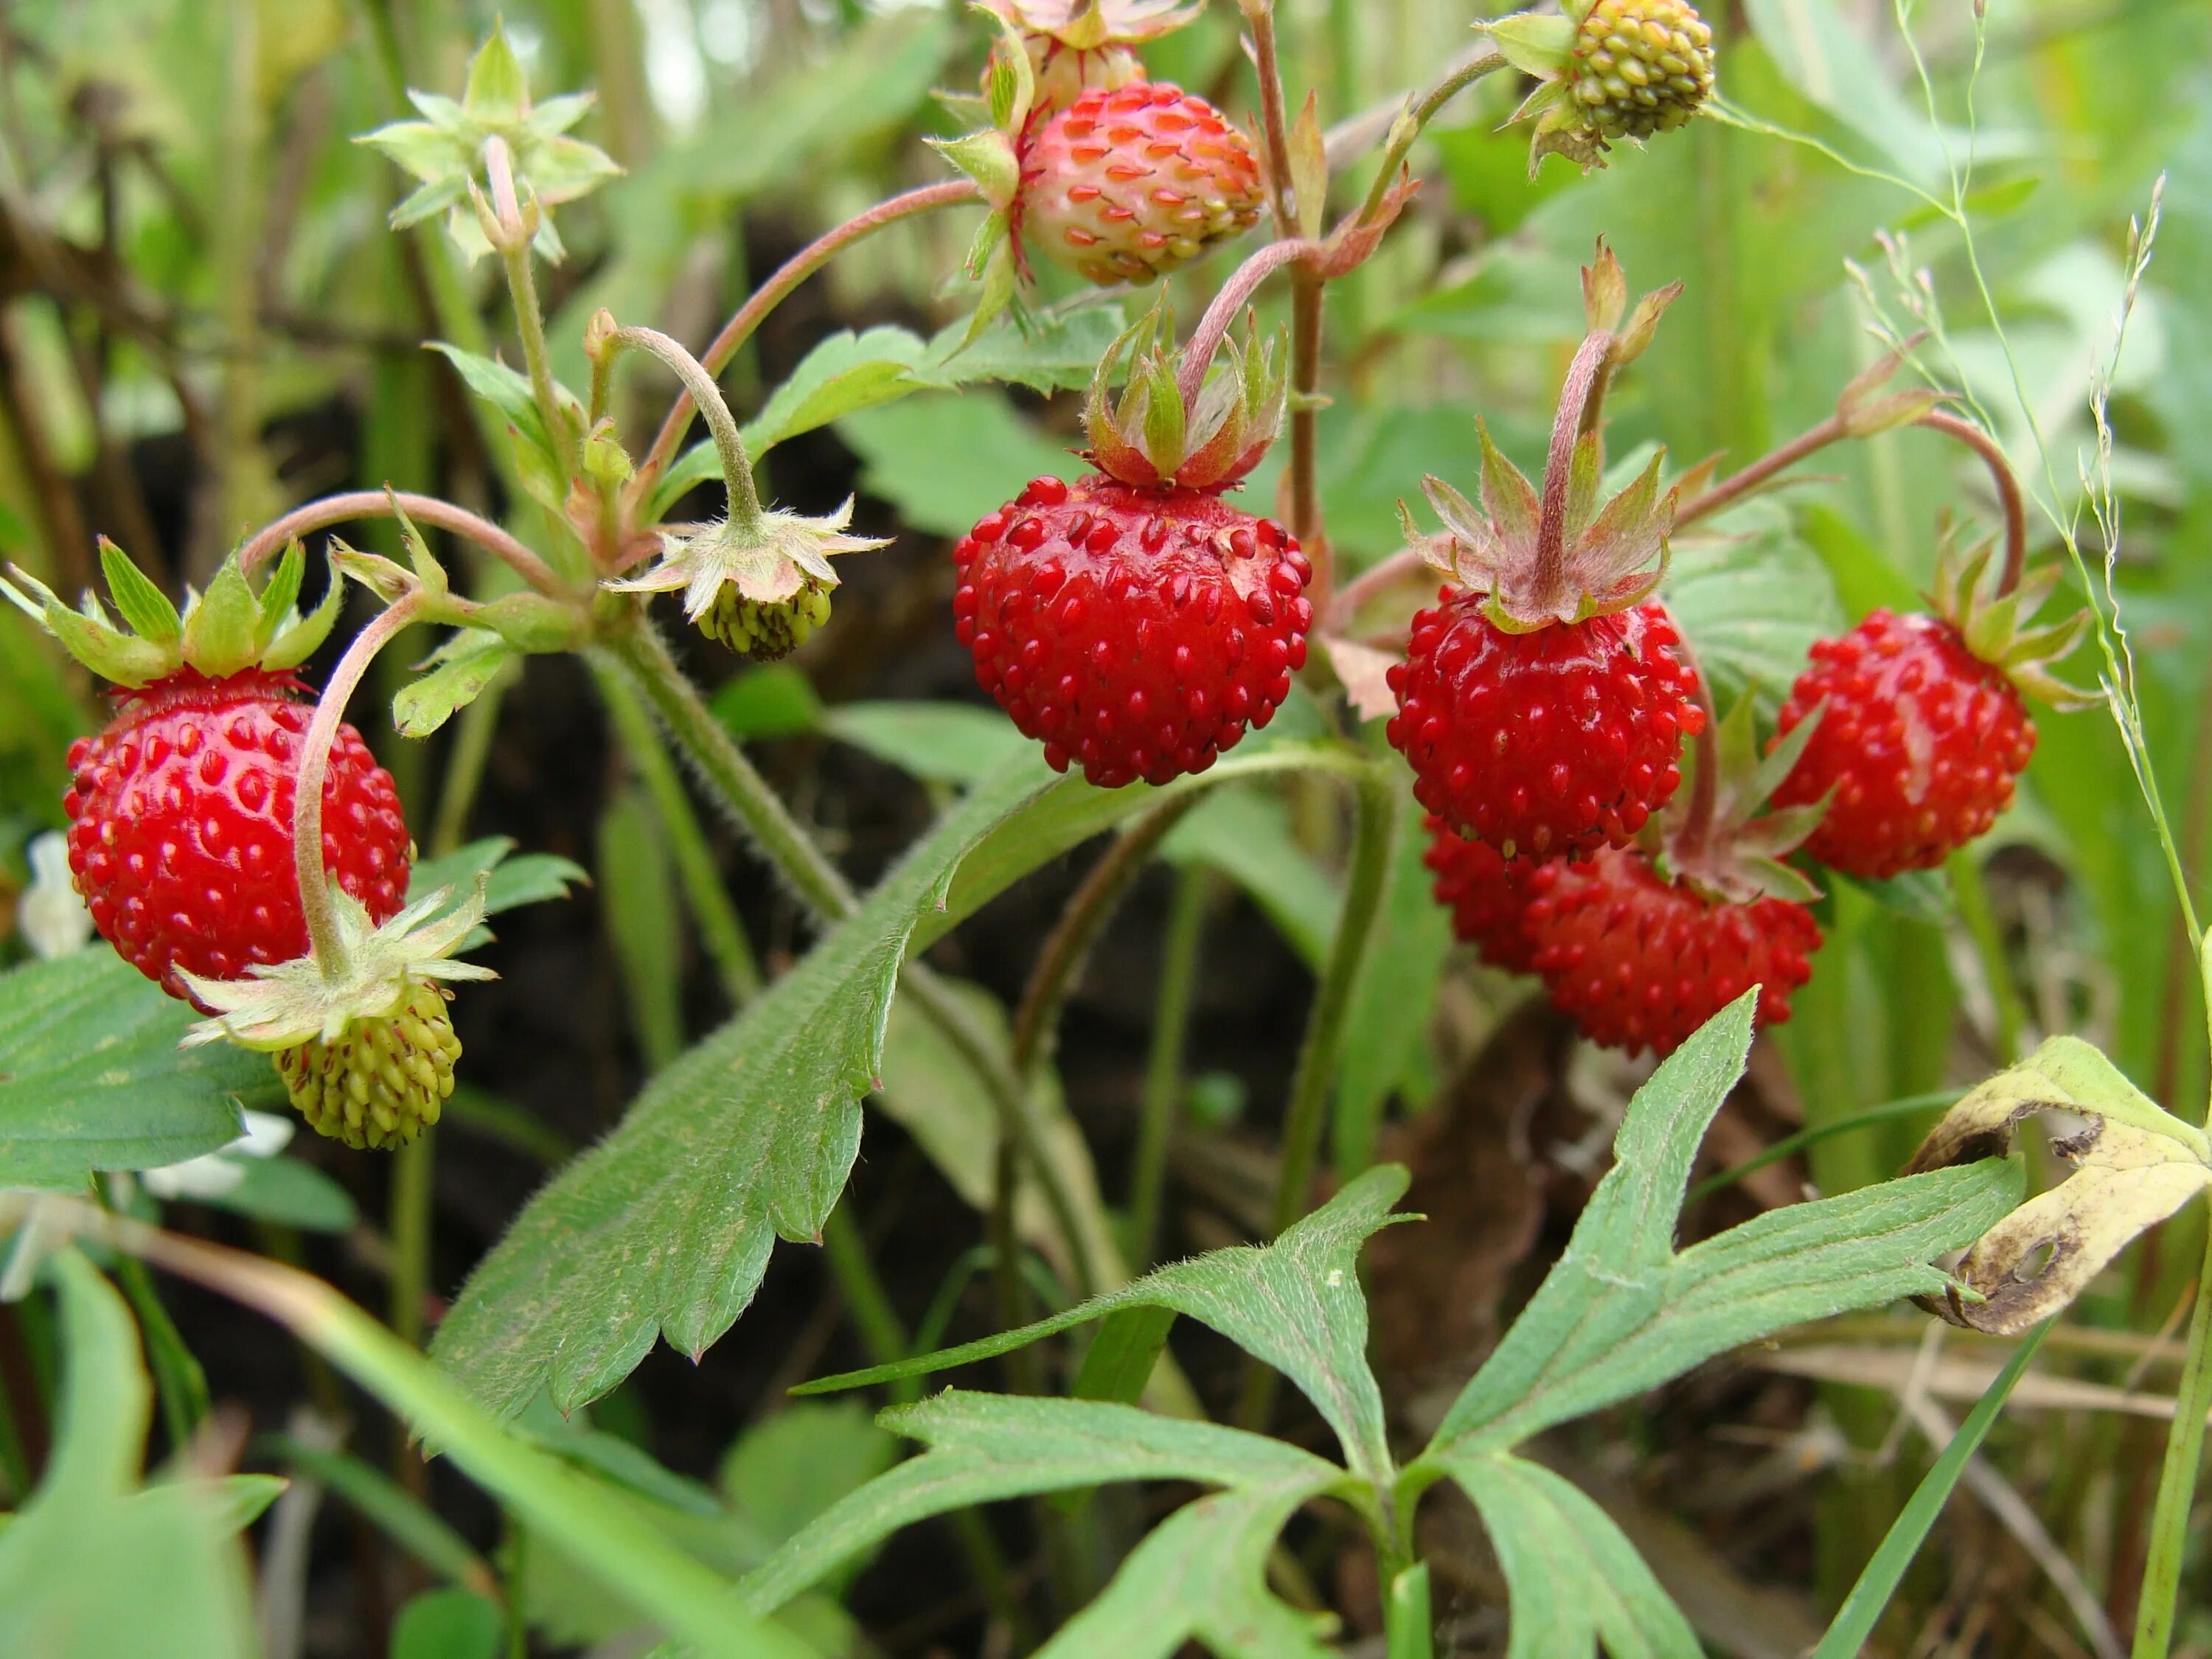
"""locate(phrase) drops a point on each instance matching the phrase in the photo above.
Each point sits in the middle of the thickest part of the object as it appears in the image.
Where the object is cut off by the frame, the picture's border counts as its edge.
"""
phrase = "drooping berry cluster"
(1553, 742)
(1137, 632)
(180, 832)
(385, 1080)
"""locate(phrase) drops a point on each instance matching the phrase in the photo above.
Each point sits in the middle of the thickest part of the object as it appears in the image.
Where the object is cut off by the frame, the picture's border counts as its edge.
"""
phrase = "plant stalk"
(729, 443)
(513, 245)
(1165, 1067)
(1403, 132)
(1581, 402)
(272, 537)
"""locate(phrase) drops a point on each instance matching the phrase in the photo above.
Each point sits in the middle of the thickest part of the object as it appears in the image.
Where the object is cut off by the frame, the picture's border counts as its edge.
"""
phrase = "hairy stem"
(1322, 1052)
(1059, 964)
(2008, 488)
(1221, 316)
(323, 935)
(1581, 402)
(272, 537)
(1738, 485)
(640, 655)
(1165, 1066)
(772, 292)
(729, 443)
(1274, 116)
(1404, 131)
(513, 245)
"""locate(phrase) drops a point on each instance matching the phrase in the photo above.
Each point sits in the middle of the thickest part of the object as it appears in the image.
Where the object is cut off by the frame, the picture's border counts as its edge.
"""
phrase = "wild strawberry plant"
(1594, 715)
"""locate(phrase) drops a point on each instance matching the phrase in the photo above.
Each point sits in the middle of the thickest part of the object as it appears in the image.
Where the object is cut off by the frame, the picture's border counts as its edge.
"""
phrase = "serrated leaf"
(509, 882)
(467, 665)
(91, 1528)
(1623, 1310)
(1054, 350)
(1751, 603)
(506, 390)
(91, 1077)
(982, 1447)
(1577, 1585)
(665, 1226)
(1295, 1303)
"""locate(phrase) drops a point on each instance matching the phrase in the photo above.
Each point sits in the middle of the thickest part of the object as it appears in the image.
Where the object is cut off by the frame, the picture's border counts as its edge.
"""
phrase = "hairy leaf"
(1575, 1581)
(665, 1226)
(1296, 1303)
(1624, 1311)
(1751, 598)
(985, 1447)
(91, 1078)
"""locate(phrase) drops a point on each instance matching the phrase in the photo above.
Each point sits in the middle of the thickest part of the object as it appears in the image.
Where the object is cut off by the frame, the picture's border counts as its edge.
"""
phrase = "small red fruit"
(180, 833)
(1553, 743)
(1639, 961)
(1129, 182)
(1136, 631)
(1487, 896)
(1921, 742)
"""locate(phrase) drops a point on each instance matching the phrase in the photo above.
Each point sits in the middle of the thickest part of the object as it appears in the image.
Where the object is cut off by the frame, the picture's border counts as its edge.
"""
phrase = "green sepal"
(144, 608)
(459, 671)
(1543, 46)
(428, 570)
(496, 89)
(987, 157)
(278, 595)
(121, 658)
(220, 630)
(305, 637)
(533, 623)
(1163, 415)
(1012, 91)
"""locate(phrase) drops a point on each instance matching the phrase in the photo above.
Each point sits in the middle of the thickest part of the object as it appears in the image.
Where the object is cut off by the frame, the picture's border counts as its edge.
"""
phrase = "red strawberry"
(1137, 632)
(1127, 183)
(180, 833)
(1487, 896)
(1554, 742)
(1135, 622)
(1921, 742)
(1641, 963)
(181, 825)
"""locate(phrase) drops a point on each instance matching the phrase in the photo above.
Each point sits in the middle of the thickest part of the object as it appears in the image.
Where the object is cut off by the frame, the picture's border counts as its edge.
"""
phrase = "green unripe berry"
(766, 632)
(385, 1080)
(1642, 66)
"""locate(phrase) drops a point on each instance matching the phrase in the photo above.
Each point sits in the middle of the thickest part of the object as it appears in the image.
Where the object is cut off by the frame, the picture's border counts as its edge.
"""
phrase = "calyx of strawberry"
(1153, 438)
(1995, 626)
(766, 558)
(1606, 69)
(1718, 834)
(224, 631)
(283, 1004)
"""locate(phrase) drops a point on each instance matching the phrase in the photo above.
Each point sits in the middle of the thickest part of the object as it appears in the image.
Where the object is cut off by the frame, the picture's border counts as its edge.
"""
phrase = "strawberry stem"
(1733, 488)
(737, 466)
(1407, 127)
(1581, 404)
(772, 292)
(1221, 316)
(378, 504)
(324, 937)
(513, 245)
(2008, 487)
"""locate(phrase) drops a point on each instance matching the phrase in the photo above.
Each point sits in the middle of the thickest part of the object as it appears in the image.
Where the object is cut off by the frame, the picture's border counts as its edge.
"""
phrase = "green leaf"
(448, 1623)
(1752, 603)
(1624, 1311)
(467, 664)
(1834, 66)
(665, 1226)
(89, 1528)
(773, 700)
(514, 882)
(1246, 834)
(955, 743)
(945, 461)
(982, 1447)
(1121, 1356)
(1296, 1303)
(1058, 350)
(508, 390)
(787, 1470)
(1577, 1585)
(1918, 895)
(91, 1077)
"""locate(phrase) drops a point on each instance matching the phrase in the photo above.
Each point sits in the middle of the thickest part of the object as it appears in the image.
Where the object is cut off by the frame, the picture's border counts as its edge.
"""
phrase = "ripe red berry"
(1555, 742)
(180, 832)
(1128, 182)
(1487, 896)
(1641, 963)
(1136, 632)
(1921, 742)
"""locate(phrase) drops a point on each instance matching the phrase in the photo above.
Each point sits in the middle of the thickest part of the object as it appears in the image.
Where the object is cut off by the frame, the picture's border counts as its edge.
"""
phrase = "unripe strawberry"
(766, 632)
(1129, 182)
(1642, 66)
(760, 582)
(1553, 743)
(384, 1080)
(1640, 962)
(1075, 45)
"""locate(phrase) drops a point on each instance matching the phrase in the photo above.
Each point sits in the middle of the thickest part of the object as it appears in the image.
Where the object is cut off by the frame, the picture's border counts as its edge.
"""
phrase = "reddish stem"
(778, 287)
(1221, 316)
(1580, 399)
(377, 504)
(2008, 487)
(1734, 488)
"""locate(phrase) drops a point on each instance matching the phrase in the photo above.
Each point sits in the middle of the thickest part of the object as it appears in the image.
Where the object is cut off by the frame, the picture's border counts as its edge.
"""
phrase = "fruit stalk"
(513, 245)
(2007, 489)
(1221, 315)
(772, 292)
(1582, 401)
(379, 504)
(729, 443)
(1407, 127)
(324, 937)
